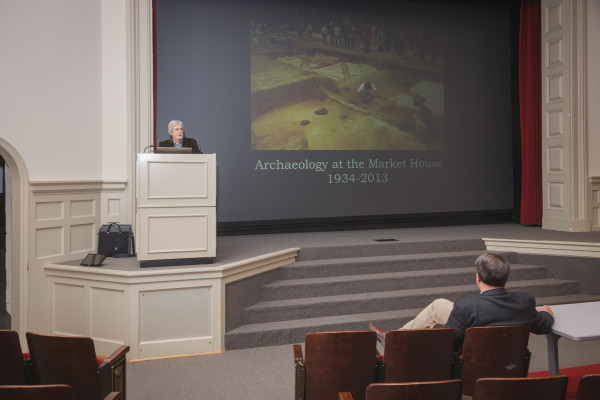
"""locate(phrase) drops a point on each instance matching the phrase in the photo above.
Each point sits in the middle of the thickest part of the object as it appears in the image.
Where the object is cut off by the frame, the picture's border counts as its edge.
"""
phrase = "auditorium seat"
(418, 355)
(335, 362)
(12, 366)
(493, 351)
(589, 387)
(542, 388)
(71, 360)
(37, 392)
(434, 390)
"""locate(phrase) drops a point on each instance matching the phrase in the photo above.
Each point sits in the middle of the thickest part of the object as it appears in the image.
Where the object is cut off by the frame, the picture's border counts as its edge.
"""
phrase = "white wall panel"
(49, 210)
(177, 313)
(68, 309)
(83, 238)
(107, 315)
(49, 242)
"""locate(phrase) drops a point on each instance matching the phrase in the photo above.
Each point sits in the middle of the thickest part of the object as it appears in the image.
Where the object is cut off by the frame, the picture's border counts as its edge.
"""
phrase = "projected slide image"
(345, 82)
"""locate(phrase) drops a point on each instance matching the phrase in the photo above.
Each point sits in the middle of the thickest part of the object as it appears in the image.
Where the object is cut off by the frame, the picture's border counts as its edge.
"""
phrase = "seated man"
(493, 306)
(178, 138)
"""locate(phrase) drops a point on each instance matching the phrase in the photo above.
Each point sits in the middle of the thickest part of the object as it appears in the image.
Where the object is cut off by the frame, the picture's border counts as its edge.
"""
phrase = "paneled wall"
(63, 225)
(564, 116)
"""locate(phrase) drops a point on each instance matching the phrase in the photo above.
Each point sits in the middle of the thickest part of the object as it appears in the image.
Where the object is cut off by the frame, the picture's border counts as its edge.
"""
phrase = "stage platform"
(169, 311)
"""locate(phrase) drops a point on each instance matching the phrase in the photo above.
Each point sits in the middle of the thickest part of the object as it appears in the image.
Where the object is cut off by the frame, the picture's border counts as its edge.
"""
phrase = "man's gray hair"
(173, 124)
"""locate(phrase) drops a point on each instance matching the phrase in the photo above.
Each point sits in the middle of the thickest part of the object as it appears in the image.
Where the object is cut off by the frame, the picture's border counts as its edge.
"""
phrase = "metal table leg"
(552, 345)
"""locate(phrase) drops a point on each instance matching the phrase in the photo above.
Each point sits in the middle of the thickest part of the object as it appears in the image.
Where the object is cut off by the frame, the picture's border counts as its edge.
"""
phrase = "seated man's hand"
(546, 309)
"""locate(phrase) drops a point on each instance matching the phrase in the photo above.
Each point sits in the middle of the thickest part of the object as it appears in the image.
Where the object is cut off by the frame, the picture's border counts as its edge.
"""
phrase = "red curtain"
(531, 113)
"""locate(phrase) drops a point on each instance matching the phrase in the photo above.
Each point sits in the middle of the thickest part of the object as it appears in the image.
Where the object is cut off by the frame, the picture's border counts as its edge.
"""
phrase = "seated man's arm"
(547, 309)
(543, 321)
(459, 320)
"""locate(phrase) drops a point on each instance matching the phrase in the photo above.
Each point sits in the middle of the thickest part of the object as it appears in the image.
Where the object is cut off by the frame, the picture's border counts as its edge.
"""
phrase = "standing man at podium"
(178, 139)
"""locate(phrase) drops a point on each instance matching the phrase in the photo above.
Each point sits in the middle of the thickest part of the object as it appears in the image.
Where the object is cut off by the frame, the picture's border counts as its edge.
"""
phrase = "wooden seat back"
(543, 388)
(65, 360)
(418, 355)
(37, 392)
(493, 352)
(589, 387)
(339, 362)
(11, 359)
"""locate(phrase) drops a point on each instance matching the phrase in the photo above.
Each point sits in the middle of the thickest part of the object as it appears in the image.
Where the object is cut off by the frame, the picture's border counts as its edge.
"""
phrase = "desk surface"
(578, 321)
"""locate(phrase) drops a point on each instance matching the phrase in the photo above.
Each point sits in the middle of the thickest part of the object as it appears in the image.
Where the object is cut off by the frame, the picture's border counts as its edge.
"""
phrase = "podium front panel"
(170, 233)
(176, 180)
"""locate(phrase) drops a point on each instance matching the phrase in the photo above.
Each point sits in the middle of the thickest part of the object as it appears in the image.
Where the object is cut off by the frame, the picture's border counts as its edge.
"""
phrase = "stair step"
(388, 248)
(348, 284)
(385, 263)
(379, 301)
(294, 331)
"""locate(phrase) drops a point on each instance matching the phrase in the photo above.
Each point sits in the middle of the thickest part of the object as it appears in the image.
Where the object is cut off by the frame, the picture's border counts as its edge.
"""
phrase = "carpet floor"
(574, 374)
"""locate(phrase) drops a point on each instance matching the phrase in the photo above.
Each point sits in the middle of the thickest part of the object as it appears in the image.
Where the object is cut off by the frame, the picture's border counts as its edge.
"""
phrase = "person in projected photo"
(493, 306)
(177, 138)
(366, 91)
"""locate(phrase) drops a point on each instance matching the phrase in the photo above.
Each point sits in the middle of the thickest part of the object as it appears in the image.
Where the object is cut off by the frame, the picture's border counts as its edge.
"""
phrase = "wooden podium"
(176, 209)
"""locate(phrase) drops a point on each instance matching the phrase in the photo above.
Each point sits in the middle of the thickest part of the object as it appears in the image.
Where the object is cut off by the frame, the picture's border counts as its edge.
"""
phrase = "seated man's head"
(176, 130)
(492, 269)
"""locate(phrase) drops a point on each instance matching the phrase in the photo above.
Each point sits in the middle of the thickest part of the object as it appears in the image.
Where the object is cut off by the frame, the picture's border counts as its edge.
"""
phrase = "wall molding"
(544, 247)
(89, 186)
(595, 203)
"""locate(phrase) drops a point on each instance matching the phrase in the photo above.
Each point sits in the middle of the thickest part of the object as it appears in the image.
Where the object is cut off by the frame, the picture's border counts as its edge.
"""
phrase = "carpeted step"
(348, 284)
(279, 310)
(546, 287)
(294, 331)
(386, 246)
(388, 263)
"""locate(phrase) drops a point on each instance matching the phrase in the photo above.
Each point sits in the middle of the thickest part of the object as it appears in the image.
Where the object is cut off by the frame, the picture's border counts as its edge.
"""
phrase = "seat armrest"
(117, 355)
(379, 367)
(345, 396)
(299, 373)
(298, 357)
(112, 374)
(527, 363)
(456, 368)
(113, 396)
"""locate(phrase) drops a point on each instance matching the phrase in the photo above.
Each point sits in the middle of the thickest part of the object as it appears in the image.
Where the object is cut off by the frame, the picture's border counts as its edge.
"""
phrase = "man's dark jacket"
(497, 307)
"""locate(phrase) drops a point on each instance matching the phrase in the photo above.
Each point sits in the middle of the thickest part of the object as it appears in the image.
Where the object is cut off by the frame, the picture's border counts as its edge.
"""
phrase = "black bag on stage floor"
(115, 240)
